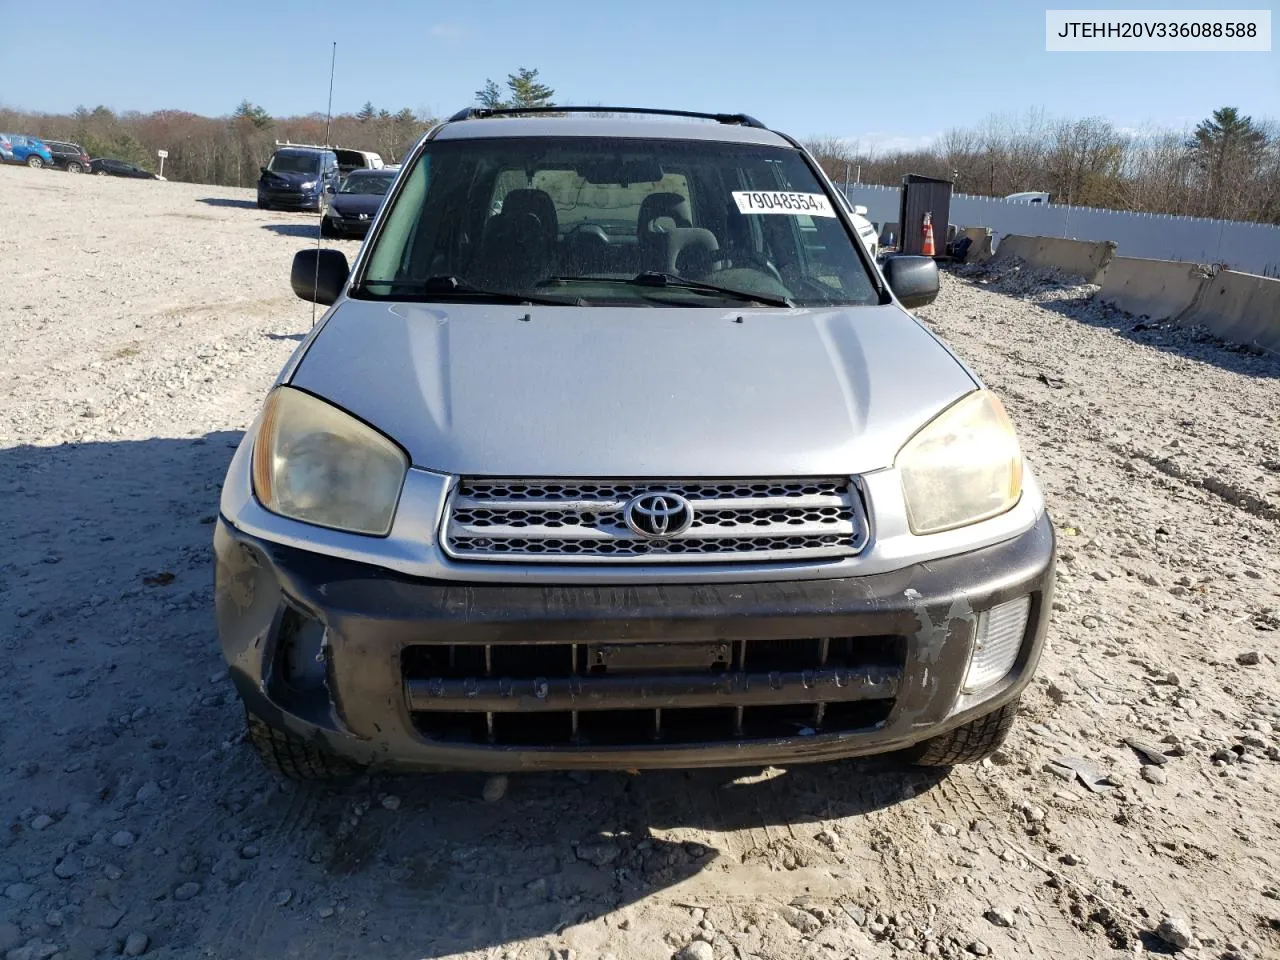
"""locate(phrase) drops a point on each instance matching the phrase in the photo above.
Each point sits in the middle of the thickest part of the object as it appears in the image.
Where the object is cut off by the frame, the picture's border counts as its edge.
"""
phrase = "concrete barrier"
(1083, 258)
(1239, 307)
(1159, 289)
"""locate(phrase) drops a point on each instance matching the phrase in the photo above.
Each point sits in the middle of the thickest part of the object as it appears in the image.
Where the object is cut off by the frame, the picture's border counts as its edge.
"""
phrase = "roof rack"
(477, 113)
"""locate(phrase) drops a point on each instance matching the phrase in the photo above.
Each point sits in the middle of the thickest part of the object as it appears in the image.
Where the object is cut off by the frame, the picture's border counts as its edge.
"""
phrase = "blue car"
(298, 178)
(18, 148)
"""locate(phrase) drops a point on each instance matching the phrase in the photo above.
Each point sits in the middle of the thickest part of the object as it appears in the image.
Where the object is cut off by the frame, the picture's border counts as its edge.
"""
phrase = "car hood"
(634, 392)
(355, 203)
(273, 179)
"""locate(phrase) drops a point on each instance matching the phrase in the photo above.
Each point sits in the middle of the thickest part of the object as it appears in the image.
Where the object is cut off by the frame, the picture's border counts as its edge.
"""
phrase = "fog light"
(996, 645)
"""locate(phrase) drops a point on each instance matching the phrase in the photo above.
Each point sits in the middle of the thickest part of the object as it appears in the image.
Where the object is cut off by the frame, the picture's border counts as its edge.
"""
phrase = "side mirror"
(860, 210)
(913, 280)
(262, 169)
(319, 275)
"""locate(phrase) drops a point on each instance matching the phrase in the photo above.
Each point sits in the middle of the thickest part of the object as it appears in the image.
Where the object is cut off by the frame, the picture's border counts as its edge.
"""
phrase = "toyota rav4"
(616, 449)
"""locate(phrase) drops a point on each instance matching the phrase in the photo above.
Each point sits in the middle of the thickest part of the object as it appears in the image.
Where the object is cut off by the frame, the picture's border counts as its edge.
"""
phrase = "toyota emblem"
(657, 516)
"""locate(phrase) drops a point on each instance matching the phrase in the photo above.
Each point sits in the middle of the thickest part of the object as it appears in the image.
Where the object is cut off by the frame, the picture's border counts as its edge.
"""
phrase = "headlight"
(309, 185)
(314, 463)
(964, 466)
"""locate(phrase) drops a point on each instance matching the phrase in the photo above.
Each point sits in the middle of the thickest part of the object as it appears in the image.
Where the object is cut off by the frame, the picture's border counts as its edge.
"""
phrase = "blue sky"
(886, 74)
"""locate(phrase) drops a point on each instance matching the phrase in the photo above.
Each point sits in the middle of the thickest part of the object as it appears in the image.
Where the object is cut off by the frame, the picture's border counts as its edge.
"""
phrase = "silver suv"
(615, 449)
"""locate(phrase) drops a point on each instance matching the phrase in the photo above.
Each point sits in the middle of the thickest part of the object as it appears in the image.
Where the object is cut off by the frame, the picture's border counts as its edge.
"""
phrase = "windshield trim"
(408, 167)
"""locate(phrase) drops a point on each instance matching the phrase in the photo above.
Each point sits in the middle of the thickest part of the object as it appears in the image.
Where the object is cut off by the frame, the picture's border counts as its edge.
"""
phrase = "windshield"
(294, 163)
(373, 184)
(586, 218)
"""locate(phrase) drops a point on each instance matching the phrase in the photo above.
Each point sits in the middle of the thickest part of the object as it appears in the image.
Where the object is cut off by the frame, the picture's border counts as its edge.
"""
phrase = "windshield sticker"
(780, 201)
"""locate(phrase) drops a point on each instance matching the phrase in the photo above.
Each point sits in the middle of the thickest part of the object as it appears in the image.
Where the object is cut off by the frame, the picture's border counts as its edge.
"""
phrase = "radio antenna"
(328, 116)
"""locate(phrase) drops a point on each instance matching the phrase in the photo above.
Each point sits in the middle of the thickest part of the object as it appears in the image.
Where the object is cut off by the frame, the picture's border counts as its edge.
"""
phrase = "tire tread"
(974, 741)
(292, 757)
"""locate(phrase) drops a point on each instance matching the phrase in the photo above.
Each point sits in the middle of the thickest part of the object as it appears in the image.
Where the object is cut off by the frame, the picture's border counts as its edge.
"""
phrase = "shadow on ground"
(229, 202)
(303, 231)
(105, 598)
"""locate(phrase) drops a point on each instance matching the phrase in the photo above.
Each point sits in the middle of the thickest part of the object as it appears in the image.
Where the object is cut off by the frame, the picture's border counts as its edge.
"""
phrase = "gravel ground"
(144, 323)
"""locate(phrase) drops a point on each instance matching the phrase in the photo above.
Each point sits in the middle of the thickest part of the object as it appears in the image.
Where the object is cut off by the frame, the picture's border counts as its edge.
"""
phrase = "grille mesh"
(583, 521)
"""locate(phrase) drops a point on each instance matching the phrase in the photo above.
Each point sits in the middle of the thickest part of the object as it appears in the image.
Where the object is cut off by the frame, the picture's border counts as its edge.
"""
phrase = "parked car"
(1029, 196)
(19, 148)
(602, 458)
(299, 178)
(107, 167)
(356, 203)
(70, 157)
(348, 159)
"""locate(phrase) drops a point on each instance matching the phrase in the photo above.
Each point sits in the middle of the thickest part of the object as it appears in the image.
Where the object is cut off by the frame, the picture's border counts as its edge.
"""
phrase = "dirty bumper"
(400, 672)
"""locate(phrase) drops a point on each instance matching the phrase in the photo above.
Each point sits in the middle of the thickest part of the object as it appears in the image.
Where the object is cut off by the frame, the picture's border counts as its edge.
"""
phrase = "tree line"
(229, 150)
(1228, 167)
(219, 150)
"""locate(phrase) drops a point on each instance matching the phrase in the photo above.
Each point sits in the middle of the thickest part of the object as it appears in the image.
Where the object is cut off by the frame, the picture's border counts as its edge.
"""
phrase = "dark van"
(298, 178)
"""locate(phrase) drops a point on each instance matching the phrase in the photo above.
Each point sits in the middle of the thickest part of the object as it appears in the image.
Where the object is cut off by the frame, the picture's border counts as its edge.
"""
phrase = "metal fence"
(1248, 247)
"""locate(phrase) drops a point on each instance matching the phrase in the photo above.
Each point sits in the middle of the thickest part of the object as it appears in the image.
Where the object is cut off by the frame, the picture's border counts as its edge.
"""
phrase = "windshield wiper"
(448, 285)
(653, 278)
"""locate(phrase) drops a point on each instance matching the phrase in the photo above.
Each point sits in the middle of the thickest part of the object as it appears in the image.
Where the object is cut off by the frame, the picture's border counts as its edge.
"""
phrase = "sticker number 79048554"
(782, 201)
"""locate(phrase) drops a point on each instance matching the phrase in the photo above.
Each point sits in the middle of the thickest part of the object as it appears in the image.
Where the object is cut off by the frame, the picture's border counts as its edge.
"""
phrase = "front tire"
(35, 162)
(289, 756)
(975, 741)
(74, 167)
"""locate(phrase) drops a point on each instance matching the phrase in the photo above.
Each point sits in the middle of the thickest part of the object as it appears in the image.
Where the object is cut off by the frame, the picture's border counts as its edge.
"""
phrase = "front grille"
(582, 521)
(583, 695)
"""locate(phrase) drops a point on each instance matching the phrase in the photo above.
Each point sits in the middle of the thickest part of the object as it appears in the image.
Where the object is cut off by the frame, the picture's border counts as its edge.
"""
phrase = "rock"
(1000, 916)
(148, 791)
(283, 897)
(1175, 931)
(66, 868)
(801, 920)
(1250, 658)
(1033, 813)
(855, 913)
(1147, 751)
(123, 839)
(249, 851)
(601, 853)
(101, 913)
(390, 802)
(19, 892)
(697, 950)
(135, 945)
(1154, 774)
(325, 913)
(42, 822)
(495, 788)
(978, 948)
(186, 890)
(945, 830)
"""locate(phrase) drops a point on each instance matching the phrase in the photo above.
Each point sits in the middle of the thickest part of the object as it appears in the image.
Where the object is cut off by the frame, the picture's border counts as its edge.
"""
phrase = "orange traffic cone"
(929, 249)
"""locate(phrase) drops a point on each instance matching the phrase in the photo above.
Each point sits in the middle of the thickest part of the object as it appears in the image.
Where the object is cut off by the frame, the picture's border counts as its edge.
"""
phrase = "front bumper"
(290, 198)
(394, 671)
(348, 226)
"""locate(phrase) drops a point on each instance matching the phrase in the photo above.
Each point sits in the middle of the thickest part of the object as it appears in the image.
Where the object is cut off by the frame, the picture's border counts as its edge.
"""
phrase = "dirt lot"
(143, 323)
